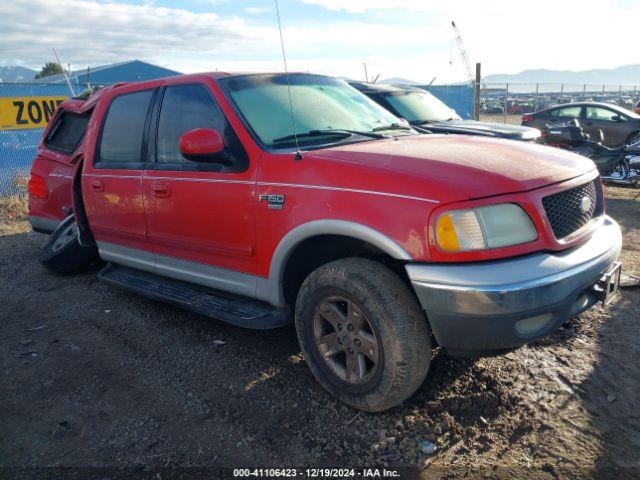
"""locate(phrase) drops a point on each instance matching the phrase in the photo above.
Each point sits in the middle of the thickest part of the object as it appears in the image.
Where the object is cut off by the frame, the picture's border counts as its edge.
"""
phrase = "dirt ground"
(95, 376)
(511, 119)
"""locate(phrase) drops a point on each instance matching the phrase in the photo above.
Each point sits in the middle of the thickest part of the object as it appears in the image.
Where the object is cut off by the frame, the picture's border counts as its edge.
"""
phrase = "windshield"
(319, 104)
(418, 107)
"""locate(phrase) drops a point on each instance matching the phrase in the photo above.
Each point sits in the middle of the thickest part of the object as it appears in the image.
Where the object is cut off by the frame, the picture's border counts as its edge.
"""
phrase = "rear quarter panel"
(58, 177)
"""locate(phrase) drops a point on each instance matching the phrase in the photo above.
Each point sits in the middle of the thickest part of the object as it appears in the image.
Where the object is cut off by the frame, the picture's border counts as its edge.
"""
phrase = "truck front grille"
(564, 209)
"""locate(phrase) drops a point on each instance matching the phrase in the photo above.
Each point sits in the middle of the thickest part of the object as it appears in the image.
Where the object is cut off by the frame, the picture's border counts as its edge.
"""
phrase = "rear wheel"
(362, 333)
(63, 253)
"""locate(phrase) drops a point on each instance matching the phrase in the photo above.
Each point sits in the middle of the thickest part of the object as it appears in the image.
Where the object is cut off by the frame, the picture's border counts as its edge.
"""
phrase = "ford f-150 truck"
(377, 241)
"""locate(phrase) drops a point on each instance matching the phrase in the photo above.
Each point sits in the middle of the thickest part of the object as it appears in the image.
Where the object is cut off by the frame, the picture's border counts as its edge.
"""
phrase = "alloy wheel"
(67, 236)
(346, 340)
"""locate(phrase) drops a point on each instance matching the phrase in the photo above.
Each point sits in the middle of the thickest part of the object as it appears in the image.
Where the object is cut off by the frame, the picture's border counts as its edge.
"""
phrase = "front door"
(200, 215)
(112, 180)
(607, 120)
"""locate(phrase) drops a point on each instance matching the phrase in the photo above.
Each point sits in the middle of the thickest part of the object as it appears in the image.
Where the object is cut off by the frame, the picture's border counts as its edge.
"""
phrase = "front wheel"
(362, 334)
(63, 253)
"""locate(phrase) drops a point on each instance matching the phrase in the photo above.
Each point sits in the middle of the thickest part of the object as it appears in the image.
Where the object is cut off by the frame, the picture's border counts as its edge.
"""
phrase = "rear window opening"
(67, 132)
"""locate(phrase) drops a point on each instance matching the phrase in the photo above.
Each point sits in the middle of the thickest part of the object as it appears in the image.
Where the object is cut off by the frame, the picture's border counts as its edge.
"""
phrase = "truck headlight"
(481, 228)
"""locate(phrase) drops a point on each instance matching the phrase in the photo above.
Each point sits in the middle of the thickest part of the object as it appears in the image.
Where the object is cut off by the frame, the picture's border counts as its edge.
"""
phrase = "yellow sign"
(27, 112)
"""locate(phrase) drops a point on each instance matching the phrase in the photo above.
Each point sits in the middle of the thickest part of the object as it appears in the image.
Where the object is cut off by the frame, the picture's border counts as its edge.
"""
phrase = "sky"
(396, 38)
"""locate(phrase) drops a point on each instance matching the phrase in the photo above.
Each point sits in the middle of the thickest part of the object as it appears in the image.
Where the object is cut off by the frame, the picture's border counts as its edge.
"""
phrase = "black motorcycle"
(616, 165)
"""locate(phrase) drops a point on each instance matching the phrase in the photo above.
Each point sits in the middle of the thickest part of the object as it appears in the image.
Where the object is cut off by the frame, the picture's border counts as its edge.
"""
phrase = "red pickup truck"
(376, 241)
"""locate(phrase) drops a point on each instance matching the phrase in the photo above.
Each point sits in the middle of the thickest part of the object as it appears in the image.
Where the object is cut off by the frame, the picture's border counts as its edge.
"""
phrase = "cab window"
(187, 107)
(123, 130)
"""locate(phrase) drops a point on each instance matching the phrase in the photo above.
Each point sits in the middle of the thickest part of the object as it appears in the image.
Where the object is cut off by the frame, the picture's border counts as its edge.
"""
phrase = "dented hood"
(478, 166)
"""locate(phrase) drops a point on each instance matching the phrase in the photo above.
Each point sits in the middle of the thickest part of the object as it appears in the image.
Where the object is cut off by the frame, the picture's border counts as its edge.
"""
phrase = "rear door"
(112, 180)
(52, 172)
(200, 215)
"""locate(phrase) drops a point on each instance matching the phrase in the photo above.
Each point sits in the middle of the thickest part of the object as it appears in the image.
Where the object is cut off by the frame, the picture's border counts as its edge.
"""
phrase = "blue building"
(18, 146)
(130, 71)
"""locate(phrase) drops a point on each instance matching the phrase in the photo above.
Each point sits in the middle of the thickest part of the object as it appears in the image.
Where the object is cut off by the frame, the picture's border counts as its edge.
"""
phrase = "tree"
(50, 68)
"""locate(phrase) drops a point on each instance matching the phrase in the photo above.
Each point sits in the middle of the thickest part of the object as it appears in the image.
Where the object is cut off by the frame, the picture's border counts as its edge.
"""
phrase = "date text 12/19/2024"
(315, 473)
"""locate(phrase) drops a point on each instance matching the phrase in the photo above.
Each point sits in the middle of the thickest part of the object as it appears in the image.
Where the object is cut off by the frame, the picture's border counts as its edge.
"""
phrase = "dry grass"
(15, 207)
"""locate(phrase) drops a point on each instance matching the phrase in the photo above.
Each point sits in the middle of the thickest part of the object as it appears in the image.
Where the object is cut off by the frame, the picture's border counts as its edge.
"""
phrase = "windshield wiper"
(338, 132)
(393, 126)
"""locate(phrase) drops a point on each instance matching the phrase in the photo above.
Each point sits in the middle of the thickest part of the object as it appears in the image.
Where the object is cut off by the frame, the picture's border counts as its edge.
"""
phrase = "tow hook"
(608, 287)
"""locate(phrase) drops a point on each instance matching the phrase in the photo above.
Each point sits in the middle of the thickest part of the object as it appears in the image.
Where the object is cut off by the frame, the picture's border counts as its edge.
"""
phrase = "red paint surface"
(395, 186)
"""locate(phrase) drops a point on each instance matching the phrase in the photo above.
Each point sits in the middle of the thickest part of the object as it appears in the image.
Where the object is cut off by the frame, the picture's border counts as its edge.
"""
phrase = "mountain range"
(15, 74)
(627, 75)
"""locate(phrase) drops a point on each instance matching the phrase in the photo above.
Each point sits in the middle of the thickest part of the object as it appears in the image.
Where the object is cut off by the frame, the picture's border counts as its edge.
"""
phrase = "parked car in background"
(494, 108)
(198, 192)
(619, 125)
(519, 107)
(425, 112)
(637, 107)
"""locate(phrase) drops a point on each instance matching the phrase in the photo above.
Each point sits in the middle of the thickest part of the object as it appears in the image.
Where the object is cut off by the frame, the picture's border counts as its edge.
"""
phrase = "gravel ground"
(95, 376)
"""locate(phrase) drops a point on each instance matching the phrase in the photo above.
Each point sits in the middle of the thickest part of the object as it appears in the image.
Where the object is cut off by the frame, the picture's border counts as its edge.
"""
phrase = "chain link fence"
(507, 102)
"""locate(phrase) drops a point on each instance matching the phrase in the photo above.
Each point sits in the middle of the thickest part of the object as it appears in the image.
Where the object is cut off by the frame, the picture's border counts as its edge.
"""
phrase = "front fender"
(272, 291)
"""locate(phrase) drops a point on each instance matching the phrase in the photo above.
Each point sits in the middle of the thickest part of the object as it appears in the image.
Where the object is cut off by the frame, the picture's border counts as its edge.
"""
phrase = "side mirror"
(616, 118)
(202, 145)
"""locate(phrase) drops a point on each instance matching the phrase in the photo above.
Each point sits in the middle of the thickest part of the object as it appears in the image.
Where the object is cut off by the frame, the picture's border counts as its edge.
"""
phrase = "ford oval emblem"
(585, 204)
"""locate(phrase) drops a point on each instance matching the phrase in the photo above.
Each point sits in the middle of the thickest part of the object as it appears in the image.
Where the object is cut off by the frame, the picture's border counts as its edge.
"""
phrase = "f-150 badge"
(274, 201)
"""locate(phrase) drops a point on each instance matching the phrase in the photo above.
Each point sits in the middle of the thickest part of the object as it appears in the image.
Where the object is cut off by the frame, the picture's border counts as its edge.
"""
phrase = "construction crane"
(463, 51)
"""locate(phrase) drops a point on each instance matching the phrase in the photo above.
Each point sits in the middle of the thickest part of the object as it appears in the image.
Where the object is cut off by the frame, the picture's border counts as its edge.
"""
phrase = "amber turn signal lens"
(36, 186)
(446, 234)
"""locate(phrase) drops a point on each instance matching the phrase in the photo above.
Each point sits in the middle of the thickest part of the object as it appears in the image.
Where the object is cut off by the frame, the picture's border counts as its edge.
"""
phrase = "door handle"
(97, 185)
(161, 189)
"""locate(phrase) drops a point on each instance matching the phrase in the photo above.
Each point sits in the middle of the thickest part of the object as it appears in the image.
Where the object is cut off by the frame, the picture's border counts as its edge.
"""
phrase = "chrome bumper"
(476, 306)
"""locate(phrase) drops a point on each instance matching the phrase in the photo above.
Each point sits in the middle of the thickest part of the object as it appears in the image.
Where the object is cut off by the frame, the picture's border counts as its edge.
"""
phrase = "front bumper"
(476, 307)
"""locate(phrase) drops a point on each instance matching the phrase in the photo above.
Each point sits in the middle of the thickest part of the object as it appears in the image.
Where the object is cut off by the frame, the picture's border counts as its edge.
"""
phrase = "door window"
(603, 114)
(123, 130)
(187, 107)
(568, 112)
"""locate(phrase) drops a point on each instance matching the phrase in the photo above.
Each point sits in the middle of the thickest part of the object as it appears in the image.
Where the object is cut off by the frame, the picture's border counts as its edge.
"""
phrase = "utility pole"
(366, 74)
(476, 93)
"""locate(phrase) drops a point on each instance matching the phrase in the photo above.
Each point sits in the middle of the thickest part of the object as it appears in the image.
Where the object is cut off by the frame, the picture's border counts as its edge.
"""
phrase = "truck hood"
(477, 166)
(515, 132)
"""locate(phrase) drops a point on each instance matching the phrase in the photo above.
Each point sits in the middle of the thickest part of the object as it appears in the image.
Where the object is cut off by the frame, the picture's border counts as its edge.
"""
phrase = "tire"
(385, 313)
(63, 253)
